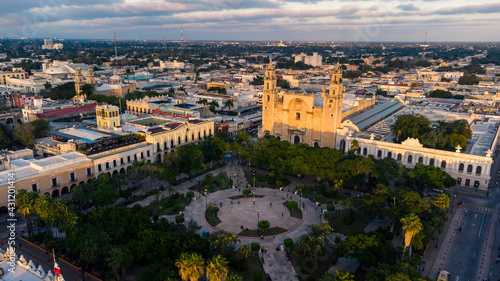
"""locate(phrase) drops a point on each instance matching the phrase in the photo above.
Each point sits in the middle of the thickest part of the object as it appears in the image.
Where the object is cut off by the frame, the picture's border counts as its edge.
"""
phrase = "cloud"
(408, 7)
(471, 9)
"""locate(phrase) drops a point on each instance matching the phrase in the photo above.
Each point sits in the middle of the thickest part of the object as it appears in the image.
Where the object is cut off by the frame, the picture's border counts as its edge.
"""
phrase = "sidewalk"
(430, 261)
(37, 255)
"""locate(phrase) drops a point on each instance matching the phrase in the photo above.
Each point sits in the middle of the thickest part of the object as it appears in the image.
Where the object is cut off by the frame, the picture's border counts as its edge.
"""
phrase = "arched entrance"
(64, 190)
(55, 193)
(82, 182)
(122, 171)
(115, 172)
(296, 139)
(342, 145)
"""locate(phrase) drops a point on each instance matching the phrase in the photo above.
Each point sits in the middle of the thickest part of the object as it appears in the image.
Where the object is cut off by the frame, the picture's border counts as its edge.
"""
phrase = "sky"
(254, 20)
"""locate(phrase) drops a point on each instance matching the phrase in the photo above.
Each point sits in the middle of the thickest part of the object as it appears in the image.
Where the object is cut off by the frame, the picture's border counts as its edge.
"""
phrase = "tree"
(468, 80)
(354, 145)
(243, 137)
(217, 268)
(234, 277)
(283, 83)
(191, 266)
(87, 90)
(343, 275)
(441, 201)
(5, 136)
(258, 80)
(411, 126)
(89, 252)
(47, 85)
(264, 224)
(25, 202)
(41, 127)
(228, 104)
(411, 227)
(118, 258)
(25, 134)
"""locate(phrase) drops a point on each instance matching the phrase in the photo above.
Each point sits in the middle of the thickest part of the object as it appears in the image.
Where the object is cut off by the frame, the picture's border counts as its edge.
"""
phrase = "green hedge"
(255, 246)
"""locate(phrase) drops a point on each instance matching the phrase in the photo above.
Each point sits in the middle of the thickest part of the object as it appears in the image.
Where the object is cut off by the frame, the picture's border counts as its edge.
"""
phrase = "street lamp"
(300, 197)
(206, 198)
(253, 173)
(199, 185)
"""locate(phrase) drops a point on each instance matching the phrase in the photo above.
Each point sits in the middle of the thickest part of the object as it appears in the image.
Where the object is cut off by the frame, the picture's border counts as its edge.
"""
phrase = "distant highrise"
(314, 60)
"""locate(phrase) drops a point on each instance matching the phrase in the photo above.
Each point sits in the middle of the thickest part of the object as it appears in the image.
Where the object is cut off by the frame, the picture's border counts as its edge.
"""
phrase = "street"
(465, 252)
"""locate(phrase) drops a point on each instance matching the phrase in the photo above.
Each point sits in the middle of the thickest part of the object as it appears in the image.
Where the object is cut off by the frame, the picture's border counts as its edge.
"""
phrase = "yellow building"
(215, 85)
(108, 117)
(306, 117)
(56, 175)
(15, 73)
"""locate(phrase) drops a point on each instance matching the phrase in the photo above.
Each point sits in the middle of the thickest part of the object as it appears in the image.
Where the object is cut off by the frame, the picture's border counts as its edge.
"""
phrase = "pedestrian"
(274, 236)
(47, 253)
(271, 204)
(262, 237)
(281, 214)
(20, 245)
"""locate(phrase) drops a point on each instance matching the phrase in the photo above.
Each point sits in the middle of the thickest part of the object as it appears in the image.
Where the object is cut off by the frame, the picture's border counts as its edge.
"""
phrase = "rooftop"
(66, 111)
(81, 134)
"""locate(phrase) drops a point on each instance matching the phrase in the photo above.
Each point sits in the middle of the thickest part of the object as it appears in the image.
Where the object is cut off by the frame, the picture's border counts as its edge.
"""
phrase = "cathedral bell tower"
(78, 81)
(269, 98)
(332, 108)
(91, 79)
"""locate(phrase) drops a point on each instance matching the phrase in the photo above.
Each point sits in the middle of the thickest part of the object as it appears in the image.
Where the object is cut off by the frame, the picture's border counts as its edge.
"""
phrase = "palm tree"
(411, 227)
(66, 218)
(25, 202)
(47, 85)
(441, 201)
(118, 259)
(228, 104)
(191, 266)
(217, 269)
(354, 145)
(45, 211)
(89, 252)
(439, 126)
(234, 277)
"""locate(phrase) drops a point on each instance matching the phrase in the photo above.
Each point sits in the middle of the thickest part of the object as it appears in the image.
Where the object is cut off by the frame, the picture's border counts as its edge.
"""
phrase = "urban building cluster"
(321, 99)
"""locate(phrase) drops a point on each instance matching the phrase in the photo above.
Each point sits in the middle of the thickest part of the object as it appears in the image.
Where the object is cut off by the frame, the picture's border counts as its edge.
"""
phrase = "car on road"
(443, 275)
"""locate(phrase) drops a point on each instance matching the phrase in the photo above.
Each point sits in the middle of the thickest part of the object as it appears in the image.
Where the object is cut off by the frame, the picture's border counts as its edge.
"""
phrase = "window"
(461, 168)
(192, 136)
(420, 159)
(365, 151)
(164, 145)
(178, 140)
(459, 181)
(410, 159)
(469, 169)
(72, 177)
(431, 163)
(199, 135)
(400, 157)
(142, 155)
(268, 98)
(107, 165)
(128, 159)
(135, 157)
(185, 138)
(89, 172)
(114, 163)
(467, 182)
(34, 187)
(478, 170)
(121, 161)
(267, 86)
(147, 153)
(389, 154)
(379, 154)
(443, 165)
(158, 147)
(54, 182)
(99, 167)
(171, 143)
(297, 116)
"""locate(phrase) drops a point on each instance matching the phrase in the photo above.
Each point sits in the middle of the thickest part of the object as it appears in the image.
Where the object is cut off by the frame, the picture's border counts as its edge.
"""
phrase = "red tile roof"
(70, 110)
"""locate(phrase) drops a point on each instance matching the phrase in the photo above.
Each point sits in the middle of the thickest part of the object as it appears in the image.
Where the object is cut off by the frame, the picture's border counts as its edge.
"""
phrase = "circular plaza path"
(269, 207)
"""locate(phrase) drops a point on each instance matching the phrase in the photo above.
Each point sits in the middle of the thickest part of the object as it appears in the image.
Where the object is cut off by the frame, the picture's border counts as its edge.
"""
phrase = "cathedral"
(306, 117)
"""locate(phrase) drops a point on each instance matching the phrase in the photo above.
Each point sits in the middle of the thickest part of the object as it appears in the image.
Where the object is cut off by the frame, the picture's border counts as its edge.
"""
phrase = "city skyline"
(262, 20)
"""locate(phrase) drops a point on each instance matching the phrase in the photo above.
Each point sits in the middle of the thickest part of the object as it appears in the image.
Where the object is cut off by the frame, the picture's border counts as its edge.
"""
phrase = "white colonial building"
(469, 170)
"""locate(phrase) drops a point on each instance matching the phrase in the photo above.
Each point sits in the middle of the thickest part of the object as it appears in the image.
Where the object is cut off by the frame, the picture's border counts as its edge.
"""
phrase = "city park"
(313, 203)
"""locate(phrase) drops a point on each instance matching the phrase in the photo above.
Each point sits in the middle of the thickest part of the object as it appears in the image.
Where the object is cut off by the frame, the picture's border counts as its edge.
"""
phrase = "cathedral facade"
(304, 117)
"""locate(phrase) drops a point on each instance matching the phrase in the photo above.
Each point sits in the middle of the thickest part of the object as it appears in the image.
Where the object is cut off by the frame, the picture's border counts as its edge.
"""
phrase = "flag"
(57, 270)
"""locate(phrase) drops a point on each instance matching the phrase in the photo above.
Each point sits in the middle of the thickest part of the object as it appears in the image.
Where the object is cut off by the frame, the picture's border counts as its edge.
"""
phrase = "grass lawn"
(336, 220)
(236, 197)
(259, 180)
(295, 212)
(321, 264)
(211, 218)
(253, 265)
(171, 205)
(267, 232)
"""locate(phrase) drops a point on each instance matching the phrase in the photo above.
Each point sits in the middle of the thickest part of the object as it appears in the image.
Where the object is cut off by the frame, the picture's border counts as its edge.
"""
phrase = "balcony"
(73, 179)
(56, 186)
